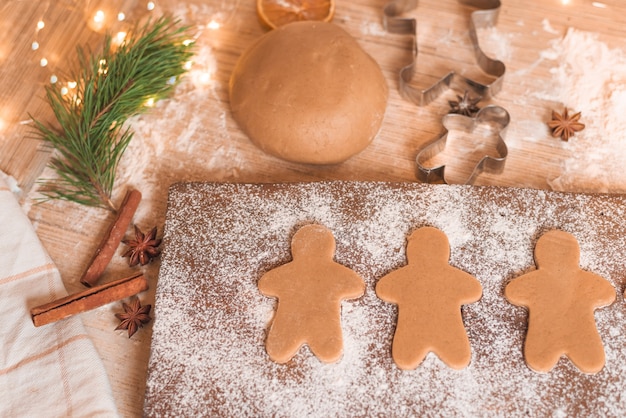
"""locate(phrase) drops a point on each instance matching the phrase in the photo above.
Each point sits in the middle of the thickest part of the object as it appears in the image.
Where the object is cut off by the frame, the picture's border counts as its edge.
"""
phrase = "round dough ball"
(306, 92)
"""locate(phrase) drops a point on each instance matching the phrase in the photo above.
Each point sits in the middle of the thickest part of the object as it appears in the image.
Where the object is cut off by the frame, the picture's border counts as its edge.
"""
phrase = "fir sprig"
(111, 86)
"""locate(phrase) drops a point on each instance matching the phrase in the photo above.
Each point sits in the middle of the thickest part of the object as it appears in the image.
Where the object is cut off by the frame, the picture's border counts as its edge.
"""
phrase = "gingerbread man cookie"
(429, 294)
(561, 299)
(309, 291)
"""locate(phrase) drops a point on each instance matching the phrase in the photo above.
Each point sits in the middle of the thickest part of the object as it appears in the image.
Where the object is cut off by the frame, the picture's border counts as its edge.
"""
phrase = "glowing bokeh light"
(99, 17)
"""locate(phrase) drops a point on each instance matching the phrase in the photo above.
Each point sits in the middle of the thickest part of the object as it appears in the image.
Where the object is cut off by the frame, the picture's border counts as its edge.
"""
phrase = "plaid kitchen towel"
(53, 370)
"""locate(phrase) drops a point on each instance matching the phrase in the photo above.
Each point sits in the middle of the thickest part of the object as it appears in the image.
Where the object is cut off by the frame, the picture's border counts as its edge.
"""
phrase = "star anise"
(143, 248)
(466, 105)
(134, 316)
(564, 125)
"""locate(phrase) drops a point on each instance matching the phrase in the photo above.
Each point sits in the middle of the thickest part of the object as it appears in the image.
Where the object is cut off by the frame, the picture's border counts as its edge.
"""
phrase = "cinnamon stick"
(88, 299)
(111, 240)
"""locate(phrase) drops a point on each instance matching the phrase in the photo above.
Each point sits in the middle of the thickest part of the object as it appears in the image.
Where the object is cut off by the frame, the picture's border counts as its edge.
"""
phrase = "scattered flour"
(373, 28)
(548, 27)
(590, 77)
(495, 43)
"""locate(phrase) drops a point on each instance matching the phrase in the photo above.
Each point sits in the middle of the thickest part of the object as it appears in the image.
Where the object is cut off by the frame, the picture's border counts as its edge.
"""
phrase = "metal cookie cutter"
(496, 117)
(483, 18)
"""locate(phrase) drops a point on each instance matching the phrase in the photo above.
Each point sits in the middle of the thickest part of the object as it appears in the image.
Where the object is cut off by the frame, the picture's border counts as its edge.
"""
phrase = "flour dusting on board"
(208, 355)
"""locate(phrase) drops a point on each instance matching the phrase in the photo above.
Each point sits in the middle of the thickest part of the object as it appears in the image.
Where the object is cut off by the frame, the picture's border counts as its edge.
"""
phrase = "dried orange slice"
(275, 13)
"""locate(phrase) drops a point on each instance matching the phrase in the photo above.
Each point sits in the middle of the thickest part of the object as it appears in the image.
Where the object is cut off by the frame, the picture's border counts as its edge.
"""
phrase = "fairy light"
(98, 17)
(102, 67)
(213, 25)
(205, 78)
(120, 38)
(204, 71)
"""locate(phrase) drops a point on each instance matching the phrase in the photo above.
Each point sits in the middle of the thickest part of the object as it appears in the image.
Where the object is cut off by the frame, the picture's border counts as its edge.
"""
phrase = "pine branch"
(111, 87)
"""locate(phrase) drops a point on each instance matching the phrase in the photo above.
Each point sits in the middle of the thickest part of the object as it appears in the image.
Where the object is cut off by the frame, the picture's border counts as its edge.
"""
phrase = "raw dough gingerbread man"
(309, 291)
(429, 294)
(561, 299)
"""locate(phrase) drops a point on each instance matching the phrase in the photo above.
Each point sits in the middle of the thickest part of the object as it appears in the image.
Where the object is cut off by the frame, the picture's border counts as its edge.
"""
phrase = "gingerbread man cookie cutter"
(485, 17)
(495, 116)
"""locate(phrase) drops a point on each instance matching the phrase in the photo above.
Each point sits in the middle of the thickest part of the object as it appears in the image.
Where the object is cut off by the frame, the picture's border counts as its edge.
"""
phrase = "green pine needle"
(113, 85)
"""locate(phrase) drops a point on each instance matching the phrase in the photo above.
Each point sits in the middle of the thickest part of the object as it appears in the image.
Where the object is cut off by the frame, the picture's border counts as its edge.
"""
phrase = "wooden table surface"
(556, 53)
